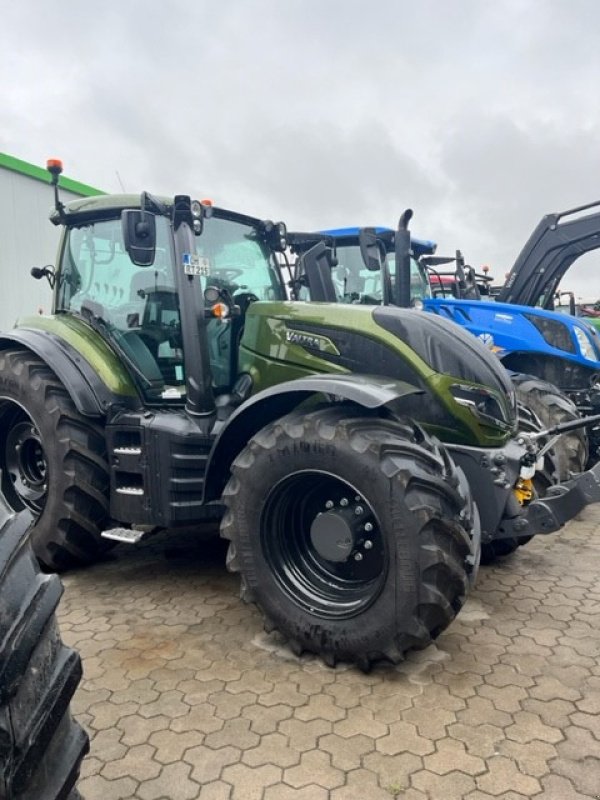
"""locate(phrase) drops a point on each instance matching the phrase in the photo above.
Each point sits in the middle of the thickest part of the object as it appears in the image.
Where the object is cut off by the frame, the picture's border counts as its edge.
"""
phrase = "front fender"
(368, 391)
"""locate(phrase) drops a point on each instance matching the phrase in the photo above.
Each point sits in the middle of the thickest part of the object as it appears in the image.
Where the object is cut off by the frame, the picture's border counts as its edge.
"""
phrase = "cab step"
(125, 535)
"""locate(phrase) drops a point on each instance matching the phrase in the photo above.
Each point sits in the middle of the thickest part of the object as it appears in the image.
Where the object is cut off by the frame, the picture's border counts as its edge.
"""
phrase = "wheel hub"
(333, 535)
(25, 463)
(323, 544)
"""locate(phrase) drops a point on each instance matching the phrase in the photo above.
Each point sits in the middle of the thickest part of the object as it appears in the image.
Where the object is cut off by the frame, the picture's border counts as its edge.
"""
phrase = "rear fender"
(370, 392)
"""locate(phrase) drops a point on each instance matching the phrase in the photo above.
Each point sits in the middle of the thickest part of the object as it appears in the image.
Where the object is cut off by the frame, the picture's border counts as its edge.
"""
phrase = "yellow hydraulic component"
(524, 491)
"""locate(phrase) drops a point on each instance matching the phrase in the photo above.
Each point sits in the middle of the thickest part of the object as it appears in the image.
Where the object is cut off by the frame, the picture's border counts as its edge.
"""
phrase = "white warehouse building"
(27, 237)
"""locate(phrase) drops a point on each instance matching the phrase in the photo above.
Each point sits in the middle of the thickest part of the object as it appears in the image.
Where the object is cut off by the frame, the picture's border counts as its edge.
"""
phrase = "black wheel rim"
(23, 462)
(328, 588)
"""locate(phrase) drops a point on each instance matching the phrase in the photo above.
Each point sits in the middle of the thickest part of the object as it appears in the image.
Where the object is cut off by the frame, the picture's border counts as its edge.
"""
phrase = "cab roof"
(349, 236)
(110, 205)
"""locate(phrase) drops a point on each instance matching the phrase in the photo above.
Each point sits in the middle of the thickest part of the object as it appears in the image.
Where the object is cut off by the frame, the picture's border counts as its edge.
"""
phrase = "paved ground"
(185, 697)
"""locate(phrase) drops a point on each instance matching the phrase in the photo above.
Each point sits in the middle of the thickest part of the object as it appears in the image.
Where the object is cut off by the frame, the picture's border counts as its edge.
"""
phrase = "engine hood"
(445, 347)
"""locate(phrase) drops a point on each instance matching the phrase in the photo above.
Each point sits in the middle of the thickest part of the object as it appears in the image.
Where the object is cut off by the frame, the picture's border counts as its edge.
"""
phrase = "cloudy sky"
(481, 116)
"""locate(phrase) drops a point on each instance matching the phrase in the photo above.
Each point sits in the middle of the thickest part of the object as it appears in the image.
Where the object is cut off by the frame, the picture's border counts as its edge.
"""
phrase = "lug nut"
(344, 501)
(369, 527)
(368, 544)
(358, 556)
(358, 510)
(329, 504)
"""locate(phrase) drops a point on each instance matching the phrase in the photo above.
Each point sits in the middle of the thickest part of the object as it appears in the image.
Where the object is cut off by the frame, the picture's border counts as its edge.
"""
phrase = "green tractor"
(361, 455)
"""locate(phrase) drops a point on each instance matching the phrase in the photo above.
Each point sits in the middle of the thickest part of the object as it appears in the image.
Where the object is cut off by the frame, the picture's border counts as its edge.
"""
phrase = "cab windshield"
(238, 260)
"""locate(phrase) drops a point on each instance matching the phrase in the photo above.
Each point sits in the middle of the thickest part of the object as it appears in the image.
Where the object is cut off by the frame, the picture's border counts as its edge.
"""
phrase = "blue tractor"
(521, 325)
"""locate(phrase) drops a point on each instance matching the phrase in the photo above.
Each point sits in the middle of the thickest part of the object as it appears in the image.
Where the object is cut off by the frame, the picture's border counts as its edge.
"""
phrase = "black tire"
(551, 407)
(53, 462)
(415, 567)
(499, 548)
(41, 747)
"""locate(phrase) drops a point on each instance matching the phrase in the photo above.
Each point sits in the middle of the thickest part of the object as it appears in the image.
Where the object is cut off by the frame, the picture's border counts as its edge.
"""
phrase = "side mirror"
(276, 235)
(44, 272)
(139, 236)
(371, 250)
(315, 268)
(374, 255)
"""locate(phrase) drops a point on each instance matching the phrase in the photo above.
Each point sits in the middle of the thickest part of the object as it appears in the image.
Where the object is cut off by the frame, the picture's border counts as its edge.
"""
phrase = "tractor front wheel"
(355, 536)
(552, 407)
(52, 462)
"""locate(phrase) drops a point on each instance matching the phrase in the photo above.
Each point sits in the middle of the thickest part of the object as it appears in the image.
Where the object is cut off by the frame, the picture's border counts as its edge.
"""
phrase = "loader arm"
(553, 246)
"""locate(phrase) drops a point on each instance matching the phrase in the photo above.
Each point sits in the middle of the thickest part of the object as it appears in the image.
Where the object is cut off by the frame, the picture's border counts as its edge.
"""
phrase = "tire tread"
(407, 458)
(42, 746)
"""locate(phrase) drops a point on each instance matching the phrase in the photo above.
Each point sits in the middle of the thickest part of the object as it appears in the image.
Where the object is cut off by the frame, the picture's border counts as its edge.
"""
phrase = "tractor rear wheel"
(41, 747)
(53, 462)
(355, 536)
(552, 407)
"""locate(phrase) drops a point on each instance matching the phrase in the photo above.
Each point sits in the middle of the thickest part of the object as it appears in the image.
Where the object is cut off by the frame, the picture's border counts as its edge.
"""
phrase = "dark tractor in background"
(361, 455)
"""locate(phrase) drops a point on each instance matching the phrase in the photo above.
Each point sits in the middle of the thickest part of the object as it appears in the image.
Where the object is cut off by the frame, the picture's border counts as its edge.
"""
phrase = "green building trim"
(41, 174)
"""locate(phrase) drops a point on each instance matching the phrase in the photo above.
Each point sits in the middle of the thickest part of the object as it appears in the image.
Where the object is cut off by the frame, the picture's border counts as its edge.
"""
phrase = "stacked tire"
(41, 747)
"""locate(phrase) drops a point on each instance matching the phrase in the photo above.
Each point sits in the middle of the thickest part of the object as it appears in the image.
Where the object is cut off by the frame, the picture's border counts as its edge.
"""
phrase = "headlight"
(585, 345)
(483, 404)
(196, 209)
(555, 333)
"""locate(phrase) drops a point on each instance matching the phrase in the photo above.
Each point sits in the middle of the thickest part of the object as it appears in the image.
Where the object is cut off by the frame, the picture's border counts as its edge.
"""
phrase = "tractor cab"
(353, 281)
(135, 299)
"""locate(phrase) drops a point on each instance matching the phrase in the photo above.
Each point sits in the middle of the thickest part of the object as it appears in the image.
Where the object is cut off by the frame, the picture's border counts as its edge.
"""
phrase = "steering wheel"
(227, 273)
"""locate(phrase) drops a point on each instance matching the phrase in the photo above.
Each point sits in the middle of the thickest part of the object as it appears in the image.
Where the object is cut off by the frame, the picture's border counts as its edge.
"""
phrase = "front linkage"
(502, 480)
(562, 502)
